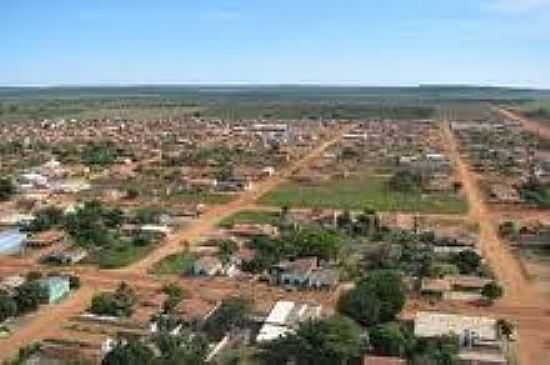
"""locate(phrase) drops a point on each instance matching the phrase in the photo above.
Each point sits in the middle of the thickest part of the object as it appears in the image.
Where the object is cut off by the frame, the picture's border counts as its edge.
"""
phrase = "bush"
(8, 307)
(7, 189)
(405, 181)
(117, 304)
(30, 296)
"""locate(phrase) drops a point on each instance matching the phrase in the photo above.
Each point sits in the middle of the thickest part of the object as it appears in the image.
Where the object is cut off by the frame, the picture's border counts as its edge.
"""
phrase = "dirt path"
(45, 322)
(522, 302)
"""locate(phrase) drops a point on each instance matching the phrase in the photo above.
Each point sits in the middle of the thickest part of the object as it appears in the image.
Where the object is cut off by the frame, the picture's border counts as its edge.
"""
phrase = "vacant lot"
(176, 264)
(250, 217)
(359, 193)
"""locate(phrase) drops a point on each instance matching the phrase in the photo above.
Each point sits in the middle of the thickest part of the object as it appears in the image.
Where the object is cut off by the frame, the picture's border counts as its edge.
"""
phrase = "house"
(284, 317)
(383, 360)
(436, 287)
(12, 242)
(295, 272)
(436, 324)
(323, 278)
(207, 266)
(58, 287)
(68, 257)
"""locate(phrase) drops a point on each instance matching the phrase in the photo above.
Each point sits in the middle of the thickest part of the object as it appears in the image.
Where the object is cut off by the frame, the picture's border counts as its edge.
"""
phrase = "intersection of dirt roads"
(523, 303)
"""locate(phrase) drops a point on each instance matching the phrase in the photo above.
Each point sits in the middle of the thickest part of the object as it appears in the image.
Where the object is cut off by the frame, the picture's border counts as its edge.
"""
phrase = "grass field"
(120, 256)
(360, 193)
(176, 264)
(250, 217)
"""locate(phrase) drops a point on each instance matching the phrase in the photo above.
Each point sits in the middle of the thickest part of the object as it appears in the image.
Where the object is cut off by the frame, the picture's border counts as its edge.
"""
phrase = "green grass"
(250, 217)
(120, 256)
(176, 264)
(362, 192)
(204, 198)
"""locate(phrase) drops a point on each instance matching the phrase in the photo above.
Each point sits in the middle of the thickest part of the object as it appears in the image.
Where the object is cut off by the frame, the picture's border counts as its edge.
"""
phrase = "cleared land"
(360, 193)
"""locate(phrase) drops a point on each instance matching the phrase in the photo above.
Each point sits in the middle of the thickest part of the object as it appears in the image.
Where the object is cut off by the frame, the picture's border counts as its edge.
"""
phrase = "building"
(12, 242)
(58, 288)
(207, 266)
(285, 317)
(436, 324)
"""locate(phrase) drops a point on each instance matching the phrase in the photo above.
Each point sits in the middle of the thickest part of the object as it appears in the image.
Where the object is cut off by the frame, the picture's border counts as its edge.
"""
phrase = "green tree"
(505, 328)
(226, 249)
(391, 339)
(376, 299)
(186, 348)
(468, 262)
(119, 304)
(492, 291)
(131, 353)
(336, 340)
(405, 181)
(30, 296)
(46, 218)
(7, 189)
(232, 313)
(8, 307)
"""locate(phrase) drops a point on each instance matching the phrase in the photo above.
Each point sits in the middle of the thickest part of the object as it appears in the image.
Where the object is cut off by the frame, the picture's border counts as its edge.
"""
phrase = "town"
(306, 240)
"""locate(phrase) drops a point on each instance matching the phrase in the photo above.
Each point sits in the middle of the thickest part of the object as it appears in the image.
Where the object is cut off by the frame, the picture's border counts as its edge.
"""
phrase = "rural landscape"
(252, 225)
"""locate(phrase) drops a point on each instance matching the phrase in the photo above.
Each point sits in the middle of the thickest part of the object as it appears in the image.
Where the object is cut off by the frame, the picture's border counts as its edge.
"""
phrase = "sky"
(351, 42)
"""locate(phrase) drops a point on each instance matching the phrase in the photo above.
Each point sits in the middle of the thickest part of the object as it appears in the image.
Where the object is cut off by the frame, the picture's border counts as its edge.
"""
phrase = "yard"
(119, 256)
(176, 264)
(251, 217)
(359, 193)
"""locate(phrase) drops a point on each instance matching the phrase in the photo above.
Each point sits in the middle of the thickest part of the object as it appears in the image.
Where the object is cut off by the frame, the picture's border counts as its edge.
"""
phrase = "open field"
(360, 193)
(251, 217)
(176, 264)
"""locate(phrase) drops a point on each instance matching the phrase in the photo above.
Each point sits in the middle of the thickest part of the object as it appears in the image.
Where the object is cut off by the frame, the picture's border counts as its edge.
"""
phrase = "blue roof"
(11, 241)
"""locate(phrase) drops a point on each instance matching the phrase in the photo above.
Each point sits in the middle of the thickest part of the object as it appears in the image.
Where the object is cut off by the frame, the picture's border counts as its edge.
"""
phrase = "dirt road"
(50, 319)
(522, 302)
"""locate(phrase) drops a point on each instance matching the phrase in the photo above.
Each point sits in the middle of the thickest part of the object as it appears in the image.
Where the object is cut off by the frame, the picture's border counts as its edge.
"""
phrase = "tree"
(118, 304)
(186, 348)
(8, 307)
(468, 262)
(7, 189)
(46, 218)
(226, 249)
(376, 299)
(131, 353)
(436, 351)
(405, 181)
(492, 291)
(74, 282)
(232, 313)
(336, 340)
(391, 339)
(505, 328)
(30, 296)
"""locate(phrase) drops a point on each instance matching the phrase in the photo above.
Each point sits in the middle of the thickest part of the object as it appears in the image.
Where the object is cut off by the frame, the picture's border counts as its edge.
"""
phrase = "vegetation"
(357, 193)
(30, 296)
(376, 299)
(492, 291)
(405, 181)
(468, 262)
(118, 304)
(251, 217)
(391, 339)
(99, 154)
(336, 340)
(232, 313)
(8, 307)
(534, 192)
(176, 264)
(46, 218)
(7, 188)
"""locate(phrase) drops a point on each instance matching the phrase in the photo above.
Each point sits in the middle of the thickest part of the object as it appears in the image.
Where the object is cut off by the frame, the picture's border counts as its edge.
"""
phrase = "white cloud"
(517, 6)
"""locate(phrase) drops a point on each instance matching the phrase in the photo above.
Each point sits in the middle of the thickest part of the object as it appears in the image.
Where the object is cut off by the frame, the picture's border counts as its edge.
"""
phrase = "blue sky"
(366, 42)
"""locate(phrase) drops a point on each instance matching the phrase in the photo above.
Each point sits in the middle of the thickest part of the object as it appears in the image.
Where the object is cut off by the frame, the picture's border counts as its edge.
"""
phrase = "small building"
(436, 324)
(207, 266)
(12, 242)
(285, 317)
(295, 272)
(58, 288)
